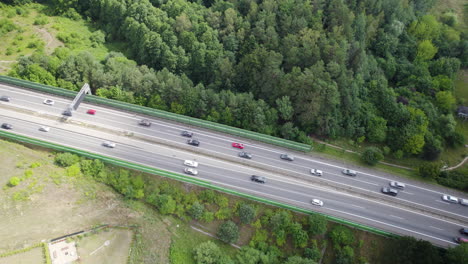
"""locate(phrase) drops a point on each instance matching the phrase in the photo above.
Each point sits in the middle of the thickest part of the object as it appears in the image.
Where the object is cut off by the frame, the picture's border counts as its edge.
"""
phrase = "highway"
(299, 192)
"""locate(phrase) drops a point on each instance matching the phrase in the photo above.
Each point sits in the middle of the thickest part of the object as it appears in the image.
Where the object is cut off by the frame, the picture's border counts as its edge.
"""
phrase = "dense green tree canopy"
(290, 68)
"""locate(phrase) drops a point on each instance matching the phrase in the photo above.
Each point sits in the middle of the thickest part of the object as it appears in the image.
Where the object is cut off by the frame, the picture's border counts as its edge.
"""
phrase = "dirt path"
(208, 234)
(458, 165)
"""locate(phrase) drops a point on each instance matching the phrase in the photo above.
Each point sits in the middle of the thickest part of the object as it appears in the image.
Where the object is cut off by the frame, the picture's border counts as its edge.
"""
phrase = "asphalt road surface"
(372, 212)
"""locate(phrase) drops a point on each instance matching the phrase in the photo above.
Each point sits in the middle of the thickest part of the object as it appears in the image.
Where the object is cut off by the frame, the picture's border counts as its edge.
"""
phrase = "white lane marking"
(278, 179)
(118, 113)
(361, 207)
(407, 192)
(397, 217)
(436, 228)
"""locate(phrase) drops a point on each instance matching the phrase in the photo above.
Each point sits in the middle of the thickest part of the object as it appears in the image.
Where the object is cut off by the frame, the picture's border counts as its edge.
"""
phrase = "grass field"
(31, 30)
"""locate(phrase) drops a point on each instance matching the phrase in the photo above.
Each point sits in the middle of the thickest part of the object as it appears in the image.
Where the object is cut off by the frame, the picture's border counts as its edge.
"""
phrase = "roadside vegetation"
(164, 213)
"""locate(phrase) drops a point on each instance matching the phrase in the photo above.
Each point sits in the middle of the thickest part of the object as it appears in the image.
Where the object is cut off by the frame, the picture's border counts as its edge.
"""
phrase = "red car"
(238, 145)
(91, 111)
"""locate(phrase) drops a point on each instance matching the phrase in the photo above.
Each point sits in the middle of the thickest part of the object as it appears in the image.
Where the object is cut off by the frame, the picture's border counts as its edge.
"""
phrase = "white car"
(191, 171)
(316, 202)
(49, 102)
(191, 163)
(397, 185)
(316, 172)
(108, 144)
(44, 129)
(450, 199)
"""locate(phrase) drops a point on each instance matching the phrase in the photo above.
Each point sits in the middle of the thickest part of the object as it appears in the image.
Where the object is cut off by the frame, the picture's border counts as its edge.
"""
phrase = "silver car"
(191, 171)
(349, 172)
(317, 202)
(450, 199)
(109, 144)
(397, 185)
(316, 172)
(44, 129)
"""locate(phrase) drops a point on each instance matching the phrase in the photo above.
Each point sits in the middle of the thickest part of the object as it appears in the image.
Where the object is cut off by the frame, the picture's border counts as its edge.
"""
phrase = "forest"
(376, 71)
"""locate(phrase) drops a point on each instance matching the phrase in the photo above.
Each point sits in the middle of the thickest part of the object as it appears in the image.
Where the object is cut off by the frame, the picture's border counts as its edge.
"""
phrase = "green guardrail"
(160, 114)
(184, 178)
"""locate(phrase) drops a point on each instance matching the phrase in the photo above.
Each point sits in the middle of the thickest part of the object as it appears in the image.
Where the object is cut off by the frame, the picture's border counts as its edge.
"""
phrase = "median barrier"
(160, 114)
(187, 179)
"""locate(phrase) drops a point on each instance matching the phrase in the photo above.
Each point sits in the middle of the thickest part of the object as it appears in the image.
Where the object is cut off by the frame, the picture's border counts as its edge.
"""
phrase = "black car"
(464, 231)
(287, 157)
(67, 113)
(5, 98)
(145, 122)
(389, 191)
(187, 134)
(245, 155)
(7, 126)
(259, 179)
(193, 142)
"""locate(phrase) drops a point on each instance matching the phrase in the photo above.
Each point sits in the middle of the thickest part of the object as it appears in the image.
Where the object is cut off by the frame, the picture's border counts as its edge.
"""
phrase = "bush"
(66, 159)
(166, 204)
(196, 211)
(207, 196)
(209, 253)
(228, 232)
(14, 181)
(246, 213)
(429, 170)
(207, 217)
(342, 236)
(372, 155)
(317, 224)
(453, 179)
(313, 252)
(224, 213)
(41, 20)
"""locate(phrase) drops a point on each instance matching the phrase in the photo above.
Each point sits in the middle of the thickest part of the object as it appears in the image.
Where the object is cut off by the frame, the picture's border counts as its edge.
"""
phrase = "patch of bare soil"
(64, 205)
(50, 41)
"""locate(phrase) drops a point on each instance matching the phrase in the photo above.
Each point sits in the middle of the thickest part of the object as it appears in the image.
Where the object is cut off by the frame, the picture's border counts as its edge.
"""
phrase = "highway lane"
(235, 176)
(426, 197)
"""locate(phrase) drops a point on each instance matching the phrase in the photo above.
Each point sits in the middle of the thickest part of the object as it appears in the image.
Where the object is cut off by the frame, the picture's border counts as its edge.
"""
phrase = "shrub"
(246, 213)
(209, 253)
(35, 165)
(222, 201)
(166, 204)
(372, 155)
(207, 217)
(342, 236)
(398, 154)
(207, 196)
(429, 170)
(196, 211)
(313, 252)
(224, 213)
(317, 224)
(14, 181)
(41, 20)
(228, 232)
(66, 159)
